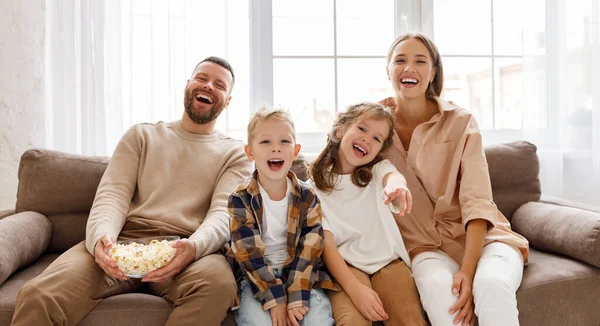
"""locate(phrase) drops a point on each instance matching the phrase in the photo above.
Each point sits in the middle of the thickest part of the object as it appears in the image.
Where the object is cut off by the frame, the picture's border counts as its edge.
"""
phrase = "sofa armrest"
(570, 231)
(7, 212)
(23, 238)
(568, 203)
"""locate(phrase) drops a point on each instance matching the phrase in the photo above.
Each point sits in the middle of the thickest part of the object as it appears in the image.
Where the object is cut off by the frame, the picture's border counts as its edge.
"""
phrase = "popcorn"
(136, 259)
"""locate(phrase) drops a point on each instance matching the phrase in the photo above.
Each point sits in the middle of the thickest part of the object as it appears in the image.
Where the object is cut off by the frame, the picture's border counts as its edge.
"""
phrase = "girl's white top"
(364, 228)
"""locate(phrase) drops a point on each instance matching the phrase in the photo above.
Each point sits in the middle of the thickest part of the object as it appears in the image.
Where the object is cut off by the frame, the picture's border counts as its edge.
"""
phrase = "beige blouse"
(447, 174)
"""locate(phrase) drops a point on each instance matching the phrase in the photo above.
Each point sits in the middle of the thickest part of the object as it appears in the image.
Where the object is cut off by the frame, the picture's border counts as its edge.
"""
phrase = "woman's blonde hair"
(324, 169)
(435, 87)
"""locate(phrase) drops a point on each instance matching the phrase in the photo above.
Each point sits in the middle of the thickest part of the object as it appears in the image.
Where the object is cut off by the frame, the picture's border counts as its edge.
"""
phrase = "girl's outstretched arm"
(395, 190)
(364, 298)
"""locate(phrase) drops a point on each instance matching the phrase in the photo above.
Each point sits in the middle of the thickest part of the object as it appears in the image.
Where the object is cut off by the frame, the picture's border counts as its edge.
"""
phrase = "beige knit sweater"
(166, 177)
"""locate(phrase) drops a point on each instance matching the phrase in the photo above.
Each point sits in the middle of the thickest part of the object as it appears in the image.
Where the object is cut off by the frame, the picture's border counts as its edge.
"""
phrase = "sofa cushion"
(67, 230)
(565, 230)
(132, 309)
(123, 309)
(6, 212)
(558, 290)
(52, 182)
(23, 238)
(514, 169)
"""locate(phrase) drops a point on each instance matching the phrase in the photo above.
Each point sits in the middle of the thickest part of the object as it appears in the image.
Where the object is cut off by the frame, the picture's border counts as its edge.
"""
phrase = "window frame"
(411, 15)
(261, 57)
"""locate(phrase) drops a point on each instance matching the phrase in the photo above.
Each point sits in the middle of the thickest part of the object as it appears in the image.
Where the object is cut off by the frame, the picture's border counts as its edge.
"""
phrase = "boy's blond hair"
(267, 113)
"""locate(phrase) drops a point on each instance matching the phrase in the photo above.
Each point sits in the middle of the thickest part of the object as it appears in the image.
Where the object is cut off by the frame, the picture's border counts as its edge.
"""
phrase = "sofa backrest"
(62, 186)
(514, 174)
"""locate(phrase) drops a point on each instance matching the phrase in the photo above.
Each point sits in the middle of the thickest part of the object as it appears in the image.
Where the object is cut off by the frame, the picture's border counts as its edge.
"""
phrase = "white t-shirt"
(364, 228)
(274, 227)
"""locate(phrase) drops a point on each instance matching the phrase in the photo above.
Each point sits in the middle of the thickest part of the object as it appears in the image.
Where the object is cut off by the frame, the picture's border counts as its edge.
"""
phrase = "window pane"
(362, 80)
(302, 36)
(364, 28)
(534, 27)
(305, 87)
(152, 49)
(302, 28)
(578, 21)
(237, 113)
(462, 26)
(468, 83)
(579, 91)
(535, 82)
(508, 27)
(302, 9)
(509, 93)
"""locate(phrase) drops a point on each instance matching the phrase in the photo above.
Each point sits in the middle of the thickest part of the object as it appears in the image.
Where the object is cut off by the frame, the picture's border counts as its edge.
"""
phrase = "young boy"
(276, 234)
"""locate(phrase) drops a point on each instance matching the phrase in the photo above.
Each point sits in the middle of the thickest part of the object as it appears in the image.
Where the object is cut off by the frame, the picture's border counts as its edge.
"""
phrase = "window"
(151, 49)
(482, 47)
(324, 56)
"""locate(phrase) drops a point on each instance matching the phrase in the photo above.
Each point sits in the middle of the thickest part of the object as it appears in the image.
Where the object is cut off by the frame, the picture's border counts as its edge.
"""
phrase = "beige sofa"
(561, 283)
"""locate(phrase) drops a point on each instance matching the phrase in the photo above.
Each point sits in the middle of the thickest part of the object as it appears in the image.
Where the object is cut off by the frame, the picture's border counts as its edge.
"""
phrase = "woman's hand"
(368, 303)
(463, 286)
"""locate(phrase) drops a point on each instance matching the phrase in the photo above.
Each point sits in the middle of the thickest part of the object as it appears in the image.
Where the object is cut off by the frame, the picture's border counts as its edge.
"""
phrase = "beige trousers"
(68, 289)
(397, 291)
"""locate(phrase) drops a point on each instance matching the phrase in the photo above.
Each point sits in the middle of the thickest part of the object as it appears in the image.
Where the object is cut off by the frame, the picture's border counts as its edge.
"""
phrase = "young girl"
(456, 236)
(363, 248)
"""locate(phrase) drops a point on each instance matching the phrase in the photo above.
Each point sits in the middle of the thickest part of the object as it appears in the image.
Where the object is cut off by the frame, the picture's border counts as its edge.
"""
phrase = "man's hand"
(368, 303)
(278, 315)
(400, 195)
(463, 285)
(104, 261)
(185, 255)
(296, 314)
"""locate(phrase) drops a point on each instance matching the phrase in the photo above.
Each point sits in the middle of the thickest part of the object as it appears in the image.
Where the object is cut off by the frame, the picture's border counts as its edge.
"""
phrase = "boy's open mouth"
(275, 163)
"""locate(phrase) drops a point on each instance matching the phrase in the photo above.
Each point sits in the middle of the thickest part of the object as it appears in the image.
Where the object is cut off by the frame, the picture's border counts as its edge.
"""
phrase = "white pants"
(497, 278)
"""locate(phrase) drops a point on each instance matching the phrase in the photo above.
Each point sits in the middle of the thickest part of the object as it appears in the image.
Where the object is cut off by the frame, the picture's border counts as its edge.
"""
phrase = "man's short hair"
(266, 113)
(221, 62)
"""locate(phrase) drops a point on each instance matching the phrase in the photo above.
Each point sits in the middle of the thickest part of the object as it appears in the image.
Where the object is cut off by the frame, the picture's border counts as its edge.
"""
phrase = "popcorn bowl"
(138, 257)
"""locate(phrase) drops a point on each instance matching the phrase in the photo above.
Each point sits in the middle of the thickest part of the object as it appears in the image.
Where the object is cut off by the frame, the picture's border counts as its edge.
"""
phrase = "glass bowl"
(138, 257)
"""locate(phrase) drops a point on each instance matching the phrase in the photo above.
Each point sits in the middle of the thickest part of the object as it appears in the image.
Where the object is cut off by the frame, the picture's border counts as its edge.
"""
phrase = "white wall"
(21, 88)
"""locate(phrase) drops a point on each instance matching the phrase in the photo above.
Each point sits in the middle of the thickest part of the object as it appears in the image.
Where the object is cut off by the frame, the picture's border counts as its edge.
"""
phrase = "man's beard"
(200, 118)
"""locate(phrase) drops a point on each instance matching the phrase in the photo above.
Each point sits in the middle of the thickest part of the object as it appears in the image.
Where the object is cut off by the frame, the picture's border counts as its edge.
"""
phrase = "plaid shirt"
(303, 268)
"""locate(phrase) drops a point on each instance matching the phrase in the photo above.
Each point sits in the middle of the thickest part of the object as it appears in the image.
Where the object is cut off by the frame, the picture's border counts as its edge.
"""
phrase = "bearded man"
(163, 179)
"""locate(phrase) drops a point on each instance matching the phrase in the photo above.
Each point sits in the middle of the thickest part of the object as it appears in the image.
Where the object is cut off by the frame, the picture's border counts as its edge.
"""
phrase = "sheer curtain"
(562, 97)
(113, 63)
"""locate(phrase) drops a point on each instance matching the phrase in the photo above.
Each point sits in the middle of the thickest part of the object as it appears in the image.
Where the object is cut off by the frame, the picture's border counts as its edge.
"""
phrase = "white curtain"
(113, 63)
(562, 96)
